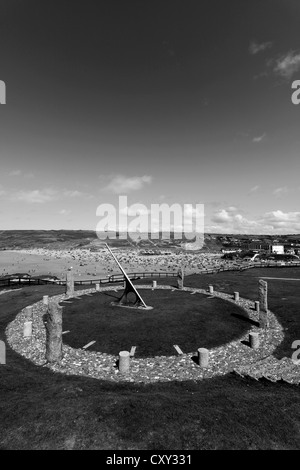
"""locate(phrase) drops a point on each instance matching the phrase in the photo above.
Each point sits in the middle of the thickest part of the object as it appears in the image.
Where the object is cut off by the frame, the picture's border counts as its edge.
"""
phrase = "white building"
(278, 249)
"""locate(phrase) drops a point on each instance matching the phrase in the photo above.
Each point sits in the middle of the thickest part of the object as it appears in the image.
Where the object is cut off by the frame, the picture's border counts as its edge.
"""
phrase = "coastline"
(88, 264)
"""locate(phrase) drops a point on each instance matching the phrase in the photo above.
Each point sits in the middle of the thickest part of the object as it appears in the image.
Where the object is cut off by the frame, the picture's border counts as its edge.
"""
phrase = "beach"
(49, 264)
(88, 264)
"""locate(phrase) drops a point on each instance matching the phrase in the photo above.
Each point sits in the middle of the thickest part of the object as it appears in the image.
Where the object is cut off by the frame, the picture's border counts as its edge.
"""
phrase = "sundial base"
(128, 289)
(136, 307)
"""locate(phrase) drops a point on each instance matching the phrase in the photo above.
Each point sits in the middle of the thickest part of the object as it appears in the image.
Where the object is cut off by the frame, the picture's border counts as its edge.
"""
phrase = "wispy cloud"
(280, 191)
(38, 196)
(64, 212)
(123, 184)
(41, 196)
(286, 65)
(135, 210)
(254, 189)
(27, 174)
(259, 138)
(73, 193)
(255, 47)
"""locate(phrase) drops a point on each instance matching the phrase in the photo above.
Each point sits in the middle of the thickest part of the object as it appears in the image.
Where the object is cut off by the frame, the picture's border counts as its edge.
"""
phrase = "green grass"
(43, 410)
(191, 321)
(283, 296)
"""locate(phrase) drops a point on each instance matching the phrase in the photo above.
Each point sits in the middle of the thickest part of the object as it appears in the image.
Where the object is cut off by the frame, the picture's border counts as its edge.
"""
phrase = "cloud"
(135, 210)
(230, 221)
(280, 191)
(259, 138)
(255, 48)
(192, 212)
(64, 212)
(74, 193)
(254, 189)
(288, 222)
(286, 65)
(38, 196)
(273, 222)
(121, 184)
(41, 196)
(28, 174)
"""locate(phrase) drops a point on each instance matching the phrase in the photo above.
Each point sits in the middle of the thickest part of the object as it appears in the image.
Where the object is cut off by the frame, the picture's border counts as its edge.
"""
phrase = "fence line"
(114, 278)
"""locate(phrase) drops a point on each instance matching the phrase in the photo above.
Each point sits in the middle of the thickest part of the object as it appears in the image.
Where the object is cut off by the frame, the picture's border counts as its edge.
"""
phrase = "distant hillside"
(70, 239)
(55, 239)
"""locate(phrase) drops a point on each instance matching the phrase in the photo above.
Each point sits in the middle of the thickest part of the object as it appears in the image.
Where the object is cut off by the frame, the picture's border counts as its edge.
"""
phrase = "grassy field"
(176, 318)
(43, 410)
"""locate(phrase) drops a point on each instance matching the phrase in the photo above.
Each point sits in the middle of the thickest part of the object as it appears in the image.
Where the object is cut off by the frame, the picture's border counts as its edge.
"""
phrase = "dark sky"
(166, 101)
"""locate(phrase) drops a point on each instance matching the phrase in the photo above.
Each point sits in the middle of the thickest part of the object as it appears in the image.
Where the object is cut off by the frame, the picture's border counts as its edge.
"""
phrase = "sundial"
(129, 287)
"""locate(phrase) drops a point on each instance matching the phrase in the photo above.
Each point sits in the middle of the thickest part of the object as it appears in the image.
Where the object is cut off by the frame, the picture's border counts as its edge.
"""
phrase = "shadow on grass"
(245, 319)
(109, 294)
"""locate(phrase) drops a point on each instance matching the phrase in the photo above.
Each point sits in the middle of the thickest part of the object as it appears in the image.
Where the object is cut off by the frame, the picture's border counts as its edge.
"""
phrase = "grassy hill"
(41, 409)
(56, 239)
(68, 239)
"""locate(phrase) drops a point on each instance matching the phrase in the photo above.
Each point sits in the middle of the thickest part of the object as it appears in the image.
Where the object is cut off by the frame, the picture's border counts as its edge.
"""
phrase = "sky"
(164, 102)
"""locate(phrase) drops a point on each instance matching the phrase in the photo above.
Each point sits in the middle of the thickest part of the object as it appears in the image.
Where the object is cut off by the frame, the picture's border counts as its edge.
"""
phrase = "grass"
(43, 410)
(191, 321)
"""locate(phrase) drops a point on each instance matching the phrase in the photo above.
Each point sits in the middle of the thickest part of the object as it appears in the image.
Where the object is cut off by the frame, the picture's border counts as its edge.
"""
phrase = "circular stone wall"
(101, 365)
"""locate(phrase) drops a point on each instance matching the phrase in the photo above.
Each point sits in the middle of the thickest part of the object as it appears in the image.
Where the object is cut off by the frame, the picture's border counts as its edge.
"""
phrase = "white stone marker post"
(203, 357)
(27, 330)
(45, 299)
(124, 361)
(236, 296)
(154, 284)
(254, 340)
(70, 283)
(97, 287)
(211, 289)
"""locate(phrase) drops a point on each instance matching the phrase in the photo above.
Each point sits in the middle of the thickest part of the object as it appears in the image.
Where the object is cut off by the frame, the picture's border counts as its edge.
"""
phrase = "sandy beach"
(51, 263)
(90, 265)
